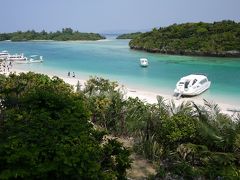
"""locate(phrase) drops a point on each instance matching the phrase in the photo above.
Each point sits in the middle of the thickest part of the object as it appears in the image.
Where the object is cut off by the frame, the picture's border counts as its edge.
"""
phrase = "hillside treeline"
(204, 39)
(129, 35)
(66, 34)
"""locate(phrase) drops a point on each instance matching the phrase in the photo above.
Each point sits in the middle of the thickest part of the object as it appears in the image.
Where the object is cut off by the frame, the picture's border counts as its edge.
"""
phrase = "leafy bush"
(45, 133)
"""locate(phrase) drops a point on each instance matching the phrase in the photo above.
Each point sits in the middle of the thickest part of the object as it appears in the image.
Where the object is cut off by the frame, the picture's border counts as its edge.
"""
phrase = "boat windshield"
(194, 81)
(203, 81)
(186, 84)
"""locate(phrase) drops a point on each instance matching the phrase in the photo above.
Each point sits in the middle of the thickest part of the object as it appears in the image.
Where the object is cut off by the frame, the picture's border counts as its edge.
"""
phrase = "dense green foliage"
(210, 39)
(65, 35)
(129, 35)
(186, 141)
(45, 133)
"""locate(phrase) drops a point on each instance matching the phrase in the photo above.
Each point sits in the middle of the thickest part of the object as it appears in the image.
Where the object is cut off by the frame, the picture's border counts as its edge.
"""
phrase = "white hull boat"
(143, 62)
(4, 55)
(36, 59)
(16, 57)
(192, 85)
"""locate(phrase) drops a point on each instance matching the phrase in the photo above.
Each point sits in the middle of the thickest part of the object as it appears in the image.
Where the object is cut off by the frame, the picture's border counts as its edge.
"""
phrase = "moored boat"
(4, 54)
(192, 85)
(16, 57)
(36, 59)
(143, 62)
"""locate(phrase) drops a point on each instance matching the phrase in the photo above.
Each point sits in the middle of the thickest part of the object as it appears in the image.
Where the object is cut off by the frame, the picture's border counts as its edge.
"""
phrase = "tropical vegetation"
(49, 131)
(65, 35)
(186, 141)
(45, 133)
(204, 39)
(129, 35)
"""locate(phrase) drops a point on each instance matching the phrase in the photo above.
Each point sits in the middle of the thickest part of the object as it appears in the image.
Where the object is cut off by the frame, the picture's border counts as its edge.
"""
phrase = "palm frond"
(200, 112)
(213, 108)
(184, 108)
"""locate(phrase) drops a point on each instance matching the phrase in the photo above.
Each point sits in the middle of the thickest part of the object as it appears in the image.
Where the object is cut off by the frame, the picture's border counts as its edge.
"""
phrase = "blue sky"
(111, 15)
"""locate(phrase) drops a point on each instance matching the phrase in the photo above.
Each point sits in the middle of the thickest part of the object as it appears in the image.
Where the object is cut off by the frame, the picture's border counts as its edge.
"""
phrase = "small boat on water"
(16, 57)
(143, 62)
(20, 58)
(36, 59)
(4, 54)
(192, 85)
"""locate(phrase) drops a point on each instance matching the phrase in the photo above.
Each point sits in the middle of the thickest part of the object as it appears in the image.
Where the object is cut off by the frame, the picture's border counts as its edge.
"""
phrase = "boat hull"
(144, 65)
(36, 61)
(193, 92)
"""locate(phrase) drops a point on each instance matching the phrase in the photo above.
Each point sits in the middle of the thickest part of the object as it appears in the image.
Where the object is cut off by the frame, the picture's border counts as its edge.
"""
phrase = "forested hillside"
(129, 35)
(204, 39)
(65, 35)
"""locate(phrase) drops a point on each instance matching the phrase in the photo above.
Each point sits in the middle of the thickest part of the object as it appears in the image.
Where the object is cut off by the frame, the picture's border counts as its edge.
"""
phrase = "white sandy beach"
(147, 96)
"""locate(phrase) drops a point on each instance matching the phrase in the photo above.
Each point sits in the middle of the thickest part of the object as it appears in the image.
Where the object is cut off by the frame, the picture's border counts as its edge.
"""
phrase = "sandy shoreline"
(147, 96)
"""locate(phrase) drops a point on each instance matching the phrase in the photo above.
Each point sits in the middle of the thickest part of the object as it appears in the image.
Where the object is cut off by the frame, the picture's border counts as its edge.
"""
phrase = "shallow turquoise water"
(114, 60)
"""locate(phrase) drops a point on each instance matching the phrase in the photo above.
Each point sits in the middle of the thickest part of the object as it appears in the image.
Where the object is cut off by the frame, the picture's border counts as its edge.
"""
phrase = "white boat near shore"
(36, 59)
(16, 57)
(4, 54)
(20, 58)
(192, 85)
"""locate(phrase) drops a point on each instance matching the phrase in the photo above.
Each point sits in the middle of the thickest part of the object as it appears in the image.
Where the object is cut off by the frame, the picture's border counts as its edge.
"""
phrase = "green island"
(67, 34)
(220, 39)
(129, 35)
(48, 130)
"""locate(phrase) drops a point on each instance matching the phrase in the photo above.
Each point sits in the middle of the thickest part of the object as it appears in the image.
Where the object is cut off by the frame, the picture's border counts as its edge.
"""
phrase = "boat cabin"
(143, 62)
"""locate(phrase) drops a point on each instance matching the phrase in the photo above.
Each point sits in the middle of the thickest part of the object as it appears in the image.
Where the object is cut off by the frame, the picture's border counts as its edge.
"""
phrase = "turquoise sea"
(114, 60)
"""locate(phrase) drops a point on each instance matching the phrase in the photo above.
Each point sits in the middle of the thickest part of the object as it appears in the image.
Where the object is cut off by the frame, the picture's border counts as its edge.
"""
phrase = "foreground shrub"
(45, 133)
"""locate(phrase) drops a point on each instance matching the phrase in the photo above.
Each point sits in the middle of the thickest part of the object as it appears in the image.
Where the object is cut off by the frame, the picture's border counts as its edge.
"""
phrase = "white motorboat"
(16, 57)
(143, 62)
(4, 55)
(36, 59)
(192, 85)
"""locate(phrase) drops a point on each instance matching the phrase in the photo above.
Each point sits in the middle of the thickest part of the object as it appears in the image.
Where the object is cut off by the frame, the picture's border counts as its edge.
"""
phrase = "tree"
(45, 133)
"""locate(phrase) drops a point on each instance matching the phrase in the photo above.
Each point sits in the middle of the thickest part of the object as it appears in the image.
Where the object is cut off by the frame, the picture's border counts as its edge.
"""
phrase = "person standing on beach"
(73, 74)
(68, 74)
